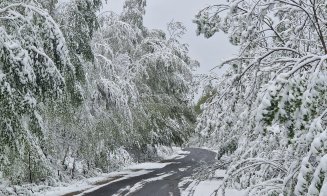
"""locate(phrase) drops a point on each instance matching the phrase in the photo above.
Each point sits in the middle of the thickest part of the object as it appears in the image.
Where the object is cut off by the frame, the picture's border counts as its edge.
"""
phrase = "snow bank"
(148, 166)
(207, 187)
(189, 186)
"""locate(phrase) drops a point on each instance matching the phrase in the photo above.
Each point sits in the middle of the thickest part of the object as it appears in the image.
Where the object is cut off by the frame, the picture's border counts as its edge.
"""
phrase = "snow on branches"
(34, 63)
(269, 102)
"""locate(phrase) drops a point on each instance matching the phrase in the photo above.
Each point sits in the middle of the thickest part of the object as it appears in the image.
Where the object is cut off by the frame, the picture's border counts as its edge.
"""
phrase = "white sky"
(209, 52)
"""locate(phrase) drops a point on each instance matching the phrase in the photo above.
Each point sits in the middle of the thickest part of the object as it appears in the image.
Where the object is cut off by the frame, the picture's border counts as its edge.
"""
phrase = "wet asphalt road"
(167, 186)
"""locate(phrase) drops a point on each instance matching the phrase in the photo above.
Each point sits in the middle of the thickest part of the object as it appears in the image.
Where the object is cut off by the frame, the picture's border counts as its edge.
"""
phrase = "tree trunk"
(66, 152)
(74, 167)
(29, 166)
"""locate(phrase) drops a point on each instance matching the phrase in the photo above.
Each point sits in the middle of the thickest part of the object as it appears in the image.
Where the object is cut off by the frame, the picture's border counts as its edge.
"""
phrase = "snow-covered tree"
(49, 5)
(69, 122)
(165, 86)
(34, 63)
(269, 109)
(133, 13)
(78, 21)
(76, 90)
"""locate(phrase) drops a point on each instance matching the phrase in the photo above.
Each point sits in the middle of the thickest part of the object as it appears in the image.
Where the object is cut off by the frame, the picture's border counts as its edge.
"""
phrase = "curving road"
(159, 182)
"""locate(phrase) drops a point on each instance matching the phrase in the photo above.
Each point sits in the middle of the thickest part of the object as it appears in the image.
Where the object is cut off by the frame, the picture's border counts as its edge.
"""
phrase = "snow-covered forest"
(82, 91)
(85, 92)
(268, 112)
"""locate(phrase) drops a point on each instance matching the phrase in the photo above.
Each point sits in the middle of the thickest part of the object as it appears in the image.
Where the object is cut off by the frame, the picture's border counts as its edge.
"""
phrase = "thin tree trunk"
(320, 34)
(29, 166)
(74, 167)
(66, 152)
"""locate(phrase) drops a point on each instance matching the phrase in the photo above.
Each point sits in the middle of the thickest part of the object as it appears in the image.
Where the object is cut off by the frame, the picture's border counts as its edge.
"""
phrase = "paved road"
(159, 182)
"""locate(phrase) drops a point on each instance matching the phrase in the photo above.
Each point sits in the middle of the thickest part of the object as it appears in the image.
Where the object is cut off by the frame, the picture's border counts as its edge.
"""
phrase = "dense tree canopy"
(34, 65)
(270, 106)
(79, 89)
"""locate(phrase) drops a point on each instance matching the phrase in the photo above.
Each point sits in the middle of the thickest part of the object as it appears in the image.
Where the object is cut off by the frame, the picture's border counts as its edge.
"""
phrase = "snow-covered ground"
(189, 187)
(206, 188)
(147, 166)
(91, 184)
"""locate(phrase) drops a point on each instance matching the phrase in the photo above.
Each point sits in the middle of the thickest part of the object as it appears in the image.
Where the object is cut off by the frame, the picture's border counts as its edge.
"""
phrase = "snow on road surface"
(187, 186)
(87, 185)
(91, 184)
(148, 166)
(140, 184)
(128, 175)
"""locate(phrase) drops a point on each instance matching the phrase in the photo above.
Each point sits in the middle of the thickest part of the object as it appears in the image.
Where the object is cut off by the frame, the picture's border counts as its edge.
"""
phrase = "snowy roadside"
(91, 184)
(190, 187)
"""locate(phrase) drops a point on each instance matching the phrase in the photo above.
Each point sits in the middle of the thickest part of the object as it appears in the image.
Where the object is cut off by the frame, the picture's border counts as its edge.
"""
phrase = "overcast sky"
(209, 52)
